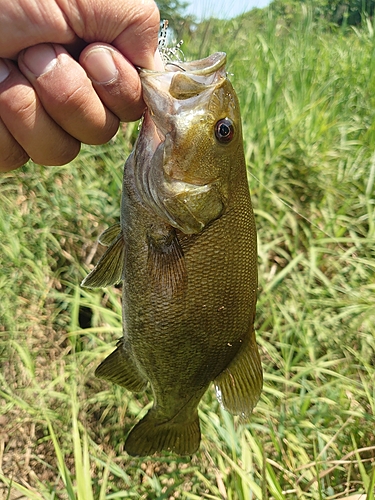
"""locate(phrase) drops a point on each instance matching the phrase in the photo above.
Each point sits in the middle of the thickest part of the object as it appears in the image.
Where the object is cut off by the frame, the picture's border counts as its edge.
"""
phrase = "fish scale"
(185, 251)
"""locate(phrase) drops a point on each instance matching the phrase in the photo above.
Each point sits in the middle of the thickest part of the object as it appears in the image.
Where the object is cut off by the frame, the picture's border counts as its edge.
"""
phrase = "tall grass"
(308, 113)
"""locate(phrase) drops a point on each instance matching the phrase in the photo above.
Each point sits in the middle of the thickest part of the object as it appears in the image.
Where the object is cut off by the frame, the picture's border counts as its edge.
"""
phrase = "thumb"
(130, 25)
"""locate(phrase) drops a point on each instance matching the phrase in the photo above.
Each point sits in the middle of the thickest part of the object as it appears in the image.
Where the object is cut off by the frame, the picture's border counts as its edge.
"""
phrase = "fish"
(185, 251)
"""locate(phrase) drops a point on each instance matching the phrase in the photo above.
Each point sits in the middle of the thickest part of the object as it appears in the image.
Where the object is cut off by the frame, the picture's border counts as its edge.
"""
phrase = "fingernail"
(100, 65)
(159, 65)
(40, 59)
(4, 71)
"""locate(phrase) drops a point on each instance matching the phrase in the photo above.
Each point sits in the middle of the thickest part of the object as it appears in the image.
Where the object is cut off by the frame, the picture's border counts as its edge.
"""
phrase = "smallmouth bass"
(185, 251)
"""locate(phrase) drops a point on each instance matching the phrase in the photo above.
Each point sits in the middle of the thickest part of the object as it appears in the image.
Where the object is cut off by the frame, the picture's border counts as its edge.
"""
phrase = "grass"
(308, 110)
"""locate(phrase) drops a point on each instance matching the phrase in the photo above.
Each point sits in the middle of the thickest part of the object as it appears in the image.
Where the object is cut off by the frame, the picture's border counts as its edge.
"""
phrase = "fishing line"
(170, 63)
(169, 55)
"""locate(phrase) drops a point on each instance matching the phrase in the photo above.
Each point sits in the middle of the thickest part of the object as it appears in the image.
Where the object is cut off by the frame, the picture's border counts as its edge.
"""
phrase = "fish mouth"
(202, 67)
(181, 86)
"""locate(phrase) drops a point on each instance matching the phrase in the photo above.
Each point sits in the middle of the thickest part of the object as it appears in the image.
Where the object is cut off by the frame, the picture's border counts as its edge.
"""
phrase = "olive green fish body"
(186, 253)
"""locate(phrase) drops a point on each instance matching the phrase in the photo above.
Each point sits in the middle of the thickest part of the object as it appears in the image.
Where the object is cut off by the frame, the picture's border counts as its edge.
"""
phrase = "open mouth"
(183, 80)
(180, 85)
(203, 67)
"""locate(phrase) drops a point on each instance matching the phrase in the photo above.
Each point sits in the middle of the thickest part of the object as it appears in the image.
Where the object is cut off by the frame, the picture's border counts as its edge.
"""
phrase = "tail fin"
(151, 436)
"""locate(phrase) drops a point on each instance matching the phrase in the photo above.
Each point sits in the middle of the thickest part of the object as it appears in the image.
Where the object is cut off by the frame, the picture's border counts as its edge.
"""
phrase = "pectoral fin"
(109, 235)
(108, 270)
(239, 386)
(166, 262)
(120, 369)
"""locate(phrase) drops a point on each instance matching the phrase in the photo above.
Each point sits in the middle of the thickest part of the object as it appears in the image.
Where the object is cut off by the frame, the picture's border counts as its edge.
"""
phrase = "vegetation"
(174, 9)
(351, 12)
(309, 135)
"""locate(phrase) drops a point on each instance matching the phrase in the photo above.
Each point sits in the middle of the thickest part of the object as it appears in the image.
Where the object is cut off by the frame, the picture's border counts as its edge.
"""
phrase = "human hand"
(49, 101)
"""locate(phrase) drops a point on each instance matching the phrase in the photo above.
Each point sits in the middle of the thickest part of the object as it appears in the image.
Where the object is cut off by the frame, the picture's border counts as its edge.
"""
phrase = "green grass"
(308, 110)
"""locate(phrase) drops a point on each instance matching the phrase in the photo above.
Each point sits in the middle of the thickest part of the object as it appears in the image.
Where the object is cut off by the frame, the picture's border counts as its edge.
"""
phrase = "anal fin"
(108, 271)
(239, 386)
(152, 435)
(120, 369)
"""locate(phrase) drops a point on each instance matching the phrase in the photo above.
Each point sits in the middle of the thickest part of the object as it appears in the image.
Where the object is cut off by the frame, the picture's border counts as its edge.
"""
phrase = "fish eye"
(224, 130)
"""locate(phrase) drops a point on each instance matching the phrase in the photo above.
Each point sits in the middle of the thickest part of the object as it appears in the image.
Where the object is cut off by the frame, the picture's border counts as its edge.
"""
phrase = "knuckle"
(21, 109)
(82, 115)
